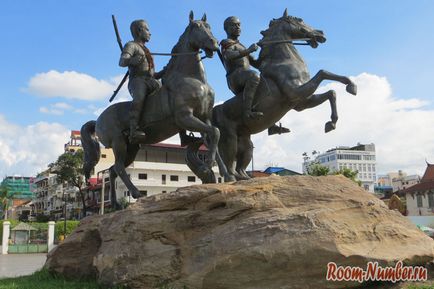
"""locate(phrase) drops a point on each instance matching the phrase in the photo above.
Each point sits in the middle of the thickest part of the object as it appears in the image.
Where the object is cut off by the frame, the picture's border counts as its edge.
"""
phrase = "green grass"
(44, 280)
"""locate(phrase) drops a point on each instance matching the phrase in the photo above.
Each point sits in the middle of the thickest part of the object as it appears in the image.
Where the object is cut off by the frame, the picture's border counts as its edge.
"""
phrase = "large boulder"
(274, 233)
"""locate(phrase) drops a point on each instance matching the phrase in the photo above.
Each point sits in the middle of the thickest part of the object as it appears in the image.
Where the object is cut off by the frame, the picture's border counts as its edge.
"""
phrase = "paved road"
(13, 265)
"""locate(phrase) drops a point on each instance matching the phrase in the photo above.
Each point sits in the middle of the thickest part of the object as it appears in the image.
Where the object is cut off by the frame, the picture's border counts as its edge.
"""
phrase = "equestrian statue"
(260, 101)
(183, 102)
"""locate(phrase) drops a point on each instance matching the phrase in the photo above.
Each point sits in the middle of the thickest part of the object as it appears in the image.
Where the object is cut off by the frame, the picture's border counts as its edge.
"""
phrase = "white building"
(359, 158)
(160, 168)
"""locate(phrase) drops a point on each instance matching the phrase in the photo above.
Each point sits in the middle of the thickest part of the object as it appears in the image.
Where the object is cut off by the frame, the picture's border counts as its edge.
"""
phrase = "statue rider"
(240, 78)
(142, 77)
(237, 61)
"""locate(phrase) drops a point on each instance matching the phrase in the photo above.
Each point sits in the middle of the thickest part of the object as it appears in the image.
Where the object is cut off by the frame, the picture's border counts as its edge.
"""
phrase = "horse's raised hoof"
(329, 126)
(352, 88)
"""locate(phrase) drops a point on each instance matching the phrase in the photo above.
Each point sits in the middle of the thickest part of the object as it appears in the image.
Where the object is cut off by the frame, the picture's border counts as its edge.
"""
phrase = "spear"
(118, 38)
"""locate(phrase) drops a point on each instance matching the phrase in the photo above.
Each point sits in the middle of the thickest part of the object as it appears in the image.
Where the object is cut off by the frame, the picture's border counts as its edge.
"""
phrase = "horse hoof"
(136, 194)
(329, 126)
(352, 88)
(229, 178)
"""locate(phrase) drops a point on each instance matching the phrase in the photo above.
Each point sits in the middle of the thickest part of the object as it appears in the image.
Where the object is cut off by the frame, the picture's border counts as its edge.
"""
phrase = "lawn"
(43, 280)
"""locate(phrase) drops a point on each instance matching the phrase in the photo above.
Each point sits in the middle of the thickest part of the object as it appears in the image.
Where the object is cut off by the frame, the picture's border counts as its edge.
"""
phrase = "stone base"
(274, 233)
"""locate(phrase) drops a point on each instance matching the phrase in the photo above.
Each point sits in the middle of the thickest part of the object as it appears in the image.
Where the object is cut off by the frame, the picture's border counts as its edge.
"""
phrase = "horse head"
(290, 27)
(200, 36)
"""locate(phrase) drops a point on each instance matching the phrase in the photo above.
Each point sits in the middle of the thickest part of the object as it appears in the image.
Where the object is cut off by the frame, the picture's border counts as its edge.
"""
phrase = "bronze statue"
(142, 80)
(284, 84)
(184, 102)
(241, 80)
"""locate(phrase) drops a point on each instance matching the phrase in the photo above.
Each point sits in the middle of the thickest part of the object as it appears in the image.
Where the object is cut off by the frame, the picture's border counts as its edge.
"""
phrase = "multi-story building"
(20, 191)
(360, 158)
(158, 169)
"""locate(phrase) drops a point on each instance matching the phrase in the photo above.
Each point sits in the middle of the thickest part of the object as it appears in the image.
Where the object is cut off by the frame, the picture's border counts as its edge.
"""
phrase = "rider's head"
(232, 26)
(140, 30)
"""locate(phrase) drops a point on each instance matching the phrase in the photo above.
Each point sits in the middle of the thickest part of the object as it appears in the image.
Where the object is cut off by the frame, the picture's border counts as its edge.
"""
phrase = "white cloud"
(28, 150)
(62, 105)
(70, 84)
(401, 129)
(54, 111)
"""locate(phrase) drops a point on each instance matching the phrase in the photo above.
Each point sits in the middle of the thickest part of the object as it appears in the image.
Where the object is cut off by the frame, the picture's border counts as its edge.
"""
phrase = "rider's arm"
(232, 54)
(129, 57)
(254, 62)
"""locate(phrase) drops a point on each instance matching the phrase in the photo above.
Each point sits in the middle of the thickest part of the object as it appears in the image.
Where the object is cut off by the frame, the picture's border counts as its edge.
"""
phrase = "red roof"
(429, 174)
(426, 183)
(75, 133)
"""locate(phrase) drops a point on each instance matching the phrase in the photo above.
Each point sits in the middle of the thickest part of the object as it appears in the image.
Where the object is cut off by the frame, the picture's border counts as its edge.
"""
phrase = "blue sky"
(389, 41)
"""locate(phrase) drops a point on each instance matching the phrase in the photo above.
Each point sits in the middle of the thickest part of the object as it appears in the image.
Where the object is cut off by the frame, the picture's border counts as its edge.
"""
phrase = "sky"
(60, 65)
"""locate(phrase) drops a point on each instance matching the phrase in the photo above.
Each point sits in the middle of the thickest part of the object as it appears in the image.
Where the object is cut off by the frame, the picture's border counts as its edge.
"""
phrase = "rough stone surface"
(274, 233)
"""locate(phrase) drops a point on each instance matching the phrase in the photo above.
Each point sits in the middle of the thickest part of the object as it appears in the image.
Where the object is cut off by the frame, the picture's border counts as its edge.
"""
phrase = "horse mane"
(176, 49)
(273, 32)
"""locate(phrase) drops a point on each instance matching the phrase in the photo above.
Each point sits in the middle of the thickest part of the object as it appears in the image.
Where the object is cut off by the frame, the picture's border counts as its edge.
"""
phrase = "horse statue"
(285, 84)
(184, 102)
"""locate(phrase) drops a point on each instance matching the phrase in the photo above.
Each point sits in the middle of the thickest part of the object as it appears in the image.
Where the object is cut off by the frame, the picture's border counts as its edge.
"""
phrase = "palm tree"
(4, 200)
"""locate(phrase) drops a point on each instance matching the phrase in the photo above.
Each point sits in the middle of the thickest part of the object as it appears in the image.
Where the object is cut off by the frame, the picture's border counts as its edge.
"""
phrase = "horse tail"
(91, 149)
(197, 166)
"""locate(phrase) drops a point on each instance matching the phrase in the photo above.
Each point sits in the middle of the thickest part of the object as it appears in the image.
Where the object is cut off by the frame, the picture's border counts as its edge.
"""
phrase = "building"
(280, 171)
(158, 169)
(20, 191)
(360, 158)
(420, 197)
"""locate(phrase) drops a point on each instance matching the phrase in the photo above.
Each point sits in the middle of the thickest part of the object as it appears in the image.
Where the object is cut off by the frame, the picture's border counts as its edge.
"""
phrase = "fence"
(27, 239)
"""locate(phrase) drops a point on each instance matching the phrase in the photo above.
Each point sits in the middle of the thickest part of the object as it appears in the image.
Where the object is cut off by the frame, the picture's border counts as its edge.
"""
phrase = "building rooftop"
(426, 183)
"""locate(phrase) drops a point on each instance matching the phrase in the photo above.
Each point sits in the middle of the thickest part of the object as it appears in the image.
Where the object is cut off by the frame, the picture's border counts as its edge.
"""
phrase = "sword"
(119, 40)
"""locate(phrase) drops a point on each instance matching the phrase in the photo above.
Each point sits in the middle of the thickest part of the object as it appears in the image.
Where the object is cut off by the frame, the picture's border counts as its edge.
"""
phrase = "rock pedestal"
(274, 233)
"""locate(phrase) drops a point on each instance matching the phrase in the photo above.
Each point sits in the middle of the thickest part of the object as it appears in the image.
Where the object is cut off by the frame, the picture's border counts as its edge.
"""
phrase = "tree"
(5, 199)
(315, 169)
(69, 168)
(348, 173)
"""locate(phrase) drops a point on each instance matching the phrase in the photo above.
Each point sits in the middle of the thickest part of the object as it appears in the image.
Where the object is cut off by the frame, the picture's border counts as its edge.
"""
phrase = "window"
(431, 200)
(103, 156)
(163, 179)
(219, 180)
(419, 201)
(174, 178)
(164, 192)
(191, 179)
(143, 176)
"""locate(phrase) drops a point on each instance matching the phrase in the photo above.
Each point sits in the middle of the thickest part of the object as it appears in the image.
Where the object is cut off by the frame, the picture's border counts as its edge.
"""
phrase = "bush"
(43, 228)
(70, 226)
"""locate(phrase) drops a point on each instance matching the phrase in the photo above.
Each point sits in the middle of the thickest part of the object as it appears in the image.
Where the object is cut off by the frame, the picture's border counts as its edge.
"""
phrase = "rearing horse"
(184, 102)
(285, 84)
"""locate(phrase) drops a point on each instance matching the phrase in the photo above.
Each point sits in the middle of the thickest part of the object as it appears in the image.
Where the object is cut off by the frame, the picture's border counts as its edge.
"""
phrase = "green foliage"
(315, 169)
(70, 226)
(42, 218)
(44, 280)
(348, 173)
(69, 168)
(5, 200)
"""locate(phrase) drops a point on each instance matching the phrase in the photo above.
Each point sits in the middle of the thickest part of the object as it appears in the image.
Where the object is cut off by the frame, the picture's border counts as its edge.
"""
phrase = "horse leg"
(113, 196)
(315, 100)
(228, 151)
(244, 155)
(309, 87)
(186, 120)
(120, 150)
